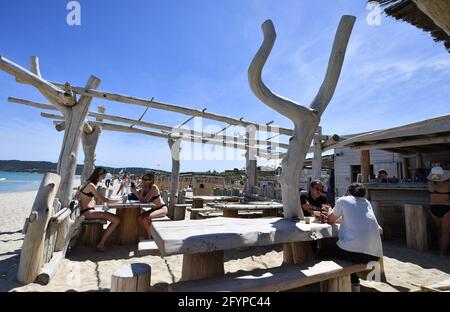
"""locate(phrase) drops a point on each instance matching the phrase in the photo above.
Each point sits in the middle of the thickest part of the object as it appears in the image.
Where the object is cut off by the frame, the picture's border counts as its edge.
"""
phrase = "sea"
(20, 181)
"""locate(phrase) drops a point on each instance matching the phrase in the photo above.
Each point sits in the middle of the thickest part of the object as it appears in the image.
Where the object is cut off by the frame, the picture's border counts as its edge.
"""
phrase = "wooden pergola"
(73, 103)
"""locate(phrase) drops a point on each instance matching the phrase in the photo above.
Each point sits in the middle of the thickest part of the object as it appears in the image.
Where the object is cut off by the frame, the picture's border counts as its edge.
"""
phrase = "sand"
(84, 269)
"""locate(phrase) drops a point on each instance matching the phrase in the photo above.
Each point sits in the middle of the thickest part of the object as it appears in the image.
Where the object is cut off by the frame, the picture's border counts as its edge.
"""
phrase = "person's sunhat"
(438, 174)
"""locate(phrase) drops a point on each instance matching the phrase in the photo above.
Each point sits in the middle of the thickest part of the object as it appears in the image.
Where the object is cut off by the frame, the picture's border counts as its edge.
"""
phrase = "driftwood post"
(365, 166)
(305, 119)
(89, 140)
(317, 158)
(174, 145)
(32, 254)
(74, 111)
(74, 119)
(250, 159)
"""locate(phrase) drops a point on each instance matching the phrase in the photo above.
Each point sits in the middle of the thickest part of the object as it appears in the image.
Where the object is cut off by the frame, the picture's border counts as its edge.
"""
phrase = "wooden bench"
(148, 246)
(195, 211)
(333, 276)
(180, 211)
(209, 214)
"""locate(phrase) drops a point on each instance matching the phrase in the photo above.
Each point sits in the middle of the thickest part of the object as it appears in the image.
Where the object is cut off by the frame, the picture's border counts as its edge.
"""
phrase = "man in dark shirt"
(314, 199)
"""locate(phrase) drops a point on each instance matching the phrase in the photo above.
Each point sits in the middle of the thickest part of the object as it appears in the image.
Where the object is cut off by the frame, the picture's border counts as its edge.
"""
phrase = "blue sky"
(196, 54)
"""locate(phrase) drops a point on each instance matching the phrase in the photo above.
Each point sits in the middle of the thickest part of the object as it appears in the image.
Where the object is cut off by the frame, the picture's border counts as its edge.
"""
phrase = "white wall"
(344, 158)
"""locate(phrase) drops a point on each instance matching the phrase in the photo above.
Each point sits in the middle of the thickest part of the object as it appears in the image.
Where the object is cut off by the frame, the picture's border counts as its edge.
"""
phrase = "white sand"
(88, 270)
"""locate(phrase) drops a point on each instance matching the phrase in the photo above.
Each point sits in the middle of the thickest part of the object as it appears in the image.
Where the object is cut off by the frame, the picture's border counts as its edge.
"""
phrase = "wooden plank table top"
(208, 235)
(247, 206)
(129, 205)
(215, 198)
(202, 242)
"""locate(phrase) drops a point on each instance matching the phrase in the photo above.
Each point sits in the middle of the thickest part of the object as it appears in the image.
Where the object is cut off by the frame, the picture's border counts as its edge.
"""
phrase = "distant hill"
(46, 166)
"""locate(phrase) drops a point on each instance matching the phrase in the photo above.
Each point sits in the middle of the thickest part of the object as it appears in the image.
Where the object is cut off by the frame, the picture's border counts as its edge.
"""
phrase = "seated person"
(314, 199)
(149, 193)
(87, 195)
(382, 176)
(359, 233)
(420, 175)
(439, 188)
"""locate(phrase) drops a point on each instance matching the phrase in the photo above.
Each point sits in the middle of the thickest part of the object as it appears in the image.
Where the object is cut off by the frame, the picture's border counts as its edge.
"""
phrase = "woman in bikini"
(87, 195)
(149, 193)
(439, 188)
(124, 188)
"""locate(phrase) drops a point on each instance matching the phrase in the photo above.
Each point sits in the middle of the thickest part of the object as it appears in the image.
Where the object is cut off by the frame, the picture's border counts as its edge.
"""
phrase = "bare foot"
(101, 248)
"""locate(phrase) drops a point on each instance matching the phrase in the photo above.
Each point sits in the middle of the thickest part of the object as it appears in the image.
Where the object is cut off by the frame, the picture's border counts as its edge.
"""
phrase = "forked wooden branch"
(48, 89)
(305, 119)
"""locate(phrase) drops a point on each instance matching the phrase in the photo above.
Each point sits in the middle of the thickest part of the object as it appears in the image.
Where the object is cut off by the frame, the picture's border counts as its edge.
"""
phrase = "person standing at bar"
(439, 188)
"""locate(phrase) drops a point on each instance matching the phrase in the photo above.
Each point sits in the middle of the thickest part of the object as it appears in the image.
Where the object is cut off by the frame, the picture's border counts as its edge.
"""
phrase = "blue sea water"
(19, 181)
(23, 181)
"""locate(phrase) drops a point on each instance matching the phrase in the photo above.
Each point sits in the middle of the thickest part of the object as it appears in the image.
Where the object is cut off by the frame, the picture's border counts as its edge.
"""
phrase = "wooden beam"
(36, 81)
(193, 139)
(60, 125)
(406, 143)
(184, 137)
(31, 103)
(170, 107)
(438, 11)
(176, 130)
(173, 130)
(365, 166)
(425, 127)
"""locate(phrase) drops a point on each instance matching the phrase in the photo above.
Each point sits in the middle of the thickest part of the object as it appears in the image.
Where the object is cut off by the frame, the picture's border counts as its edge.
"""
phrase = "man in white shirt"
(108, 178)
(359, 233)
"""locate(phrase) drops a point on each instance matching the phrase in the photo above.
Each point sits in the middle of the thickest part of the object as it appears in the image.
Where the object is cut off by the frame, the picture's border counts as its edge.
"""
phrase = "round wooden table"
(128, 228)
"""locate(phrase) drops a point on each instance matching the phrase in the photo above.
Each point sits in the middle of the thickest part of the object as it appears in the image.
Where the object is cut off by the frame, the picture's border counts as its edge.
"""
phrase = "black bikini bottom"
(439, 210)
(86, 209)
(148, 212)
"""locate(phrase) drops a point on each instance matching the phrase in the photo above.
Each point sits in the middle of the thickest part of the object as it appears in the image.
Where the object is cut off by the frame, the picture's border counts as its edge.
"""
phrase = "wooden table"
(208, 199)
(202, 242)
(231, 210)
(128, 228)
(199, 201)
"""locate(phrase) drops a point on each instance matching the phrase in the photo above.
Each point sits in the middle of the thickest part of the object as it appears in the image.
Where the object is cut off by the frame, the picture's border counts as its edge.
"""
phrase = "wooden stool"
(133, 277)
(196, 203)
(92, 232)
(180, 211)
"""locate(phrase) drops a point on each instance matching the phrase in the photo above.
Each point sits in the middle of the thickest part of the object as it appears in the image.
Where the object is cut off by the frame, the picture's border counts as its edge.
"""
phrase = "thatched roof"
(408, 11)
